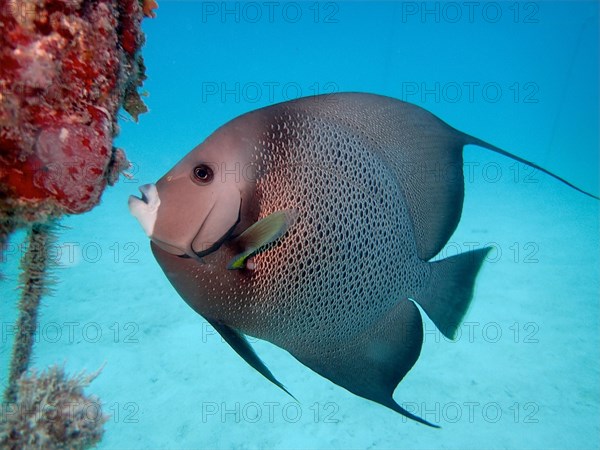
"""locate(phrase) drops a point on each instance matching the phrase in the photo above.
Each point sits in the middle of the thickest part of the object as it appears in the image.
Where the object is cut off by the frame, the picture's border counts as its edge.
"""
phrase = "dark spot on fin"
(447, 297)
(260, 234)
(373, 363)
(238, 342)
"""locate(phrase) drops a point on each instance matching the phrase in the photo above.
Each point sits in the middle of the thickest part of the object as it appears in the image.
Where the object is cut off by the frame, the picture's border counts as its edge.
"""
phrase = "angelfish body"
(348, 193)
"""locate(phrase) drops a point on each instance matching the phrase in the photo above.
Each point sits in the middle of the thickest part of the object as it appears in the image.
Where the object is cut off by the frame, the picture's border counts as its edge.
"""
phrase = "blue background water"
(524, 373)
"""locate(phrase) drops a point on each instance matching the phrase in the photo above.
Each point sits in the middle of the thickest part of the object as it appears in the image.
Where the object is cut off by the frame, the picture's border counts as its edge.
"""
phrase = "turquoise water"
(524, 372)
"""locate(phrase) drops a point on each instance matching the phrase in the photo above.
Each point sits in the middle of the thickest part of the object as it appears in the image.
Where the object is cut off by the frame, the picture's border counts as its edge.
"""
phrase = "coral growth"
(148, 6)
(34, 284)
(66, 67)
(51, 411)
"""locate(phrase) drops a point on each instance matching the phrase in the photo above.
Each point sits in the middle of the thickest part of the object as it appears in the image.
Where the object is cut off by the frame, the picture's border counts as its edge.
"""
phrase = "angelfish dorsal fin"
(260, 234)
(238, 342)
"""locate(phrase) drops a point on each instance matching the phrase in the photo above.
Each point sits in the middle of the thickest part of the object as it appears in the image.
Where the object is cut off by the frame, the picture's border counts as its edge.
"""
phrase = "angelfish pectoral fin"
(260, 234)
(238, 342)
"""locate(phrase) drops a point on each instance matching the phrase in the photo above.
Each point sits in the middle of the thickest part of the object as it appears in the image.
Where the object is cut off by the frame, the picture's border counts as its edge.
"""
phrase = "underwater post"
(58, 119)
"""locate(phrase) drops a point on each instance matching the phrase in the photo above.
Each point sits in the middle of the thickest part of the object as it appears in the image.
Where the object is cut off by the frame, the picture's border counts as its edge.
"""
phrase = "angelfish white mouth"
(145, 209)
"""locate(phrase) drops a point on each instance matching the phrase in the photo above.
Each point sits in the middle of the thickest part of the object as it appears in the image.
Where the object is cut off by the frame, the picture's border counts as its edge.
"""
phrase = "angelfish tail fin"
(448, 295)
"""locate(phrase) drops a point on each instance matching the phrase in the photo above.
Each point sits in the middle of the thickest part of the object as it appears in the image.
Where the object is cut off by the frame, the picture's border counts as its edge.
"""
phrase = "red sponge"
(66, 67)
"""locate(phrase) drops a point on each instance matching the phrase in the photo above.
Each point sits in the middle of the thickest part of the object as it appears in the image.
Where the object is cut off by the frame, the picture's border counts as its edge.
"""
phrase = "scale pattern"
(351, 254)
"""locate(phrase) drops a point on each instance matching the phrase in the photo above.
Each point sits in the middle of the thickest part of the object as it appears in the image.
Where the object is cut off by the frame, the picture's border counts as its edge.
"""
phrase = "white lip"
(145, 209)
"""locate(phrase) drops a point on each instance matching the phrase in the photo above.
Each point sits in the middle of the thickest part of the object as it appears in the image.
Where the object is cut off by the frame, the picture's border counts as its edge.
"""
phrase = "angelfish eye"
(203, 174)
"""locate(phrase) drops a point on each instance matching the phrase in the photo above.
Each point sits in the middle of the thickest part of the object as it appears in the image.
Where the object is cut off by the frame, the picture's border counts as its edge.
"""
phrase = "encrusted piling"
(34, 284)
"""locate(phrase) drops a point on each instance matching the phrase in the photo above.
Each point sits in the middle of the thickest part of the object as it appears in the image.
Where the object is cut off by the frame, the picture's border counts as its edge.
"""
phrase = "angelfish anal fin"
(372, 363)
(238, 342)
(261, 234)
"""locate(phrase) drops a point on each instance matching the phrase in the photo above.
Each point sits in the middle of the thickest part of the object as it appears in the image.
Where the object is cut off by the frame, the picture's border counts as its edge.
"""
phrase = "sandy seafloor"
(524, 372)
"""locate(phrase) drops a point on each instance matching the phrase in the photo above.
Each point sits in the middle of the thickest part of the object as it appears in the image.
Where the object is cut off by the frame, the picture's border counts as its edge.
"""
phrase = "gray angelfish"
(311, 224)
